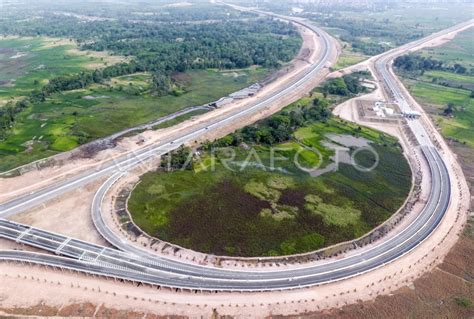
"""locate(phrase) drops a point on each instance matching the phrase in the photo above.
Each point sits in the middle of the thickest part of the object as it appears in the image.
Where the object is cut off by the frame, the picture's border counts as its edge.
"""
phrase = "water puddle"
(341, 144)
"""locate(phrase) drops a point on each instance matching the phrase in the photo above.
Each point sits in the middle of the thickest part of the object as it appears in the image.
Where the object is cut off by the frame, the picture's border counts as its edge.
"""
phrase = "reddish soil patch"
(78, 310)
(435, 295)
(38, 310)
(152, 316)
(82, 310)
(105, 312)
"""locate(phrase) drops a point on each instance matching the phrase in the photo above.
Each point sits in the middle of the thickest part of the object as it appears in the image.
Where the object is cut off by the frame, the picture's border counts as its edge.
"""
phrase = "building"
(382, 110)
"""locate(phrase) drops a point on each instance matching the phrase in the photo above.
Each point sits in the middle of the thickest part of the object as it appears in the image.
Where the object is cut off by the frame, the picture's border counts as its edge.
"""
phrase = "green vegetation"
(418, 64)
(348, 85)
(246, 194)
(447, 78)
(456, 124)
(373, 30)
(278, 128)
(347, 59)
(178, 119)
(442, 80)
(459, 50)
(439, 95)
(66, 120)
(463, 302)
(367, 29)
(348, 56)
(55, 103)
(177, 159)
(172, 47)
(27, 64)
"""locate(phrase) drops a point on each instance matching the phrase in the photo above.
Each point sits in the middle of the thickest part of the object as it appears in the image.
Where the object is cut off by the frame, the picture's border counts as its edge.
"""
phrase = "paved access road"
(137, 265)
(145, 268)
(129, 161)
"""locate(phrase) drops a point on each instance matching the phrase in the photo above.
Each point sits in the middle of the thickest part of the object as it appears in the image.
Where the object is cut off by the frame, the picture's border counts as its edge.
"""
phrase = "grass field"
(456, 89)
(435, 98)
(348, 56)
(440, 95)
(66, 120)
(411, 18)
(426, 17)
(455, 78)
(459, 50)
(27, 63)
(363, 33)
(247, 206)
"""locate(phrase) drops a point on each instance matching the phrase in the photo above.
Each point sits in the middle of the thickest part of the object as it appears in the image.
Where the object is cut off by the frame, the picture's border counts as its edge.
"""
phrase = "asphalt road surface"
(139, 267)
(131, 263)
(129, 161)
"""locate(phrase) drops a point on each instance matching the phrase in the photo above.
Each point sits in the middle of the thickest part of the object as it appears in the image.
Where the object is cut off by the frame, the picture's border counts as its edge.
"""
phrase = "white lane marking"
(23, 234)
(63, 244)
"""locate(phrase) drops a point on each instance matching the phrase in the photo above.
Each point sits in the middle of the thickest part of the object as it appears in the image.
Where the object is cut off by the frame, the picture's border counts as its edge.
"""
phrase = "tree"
(318, 102)
(336, 86)
(458, 68)
(180, 158)
(161, 84)
(449, 110)
(279, 121)
(97, 76)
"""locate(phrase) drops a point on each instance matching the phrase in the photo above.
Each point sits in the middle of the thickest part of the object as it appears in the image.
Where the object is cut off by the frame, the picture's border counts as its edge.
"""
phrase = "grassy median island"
(232, 198)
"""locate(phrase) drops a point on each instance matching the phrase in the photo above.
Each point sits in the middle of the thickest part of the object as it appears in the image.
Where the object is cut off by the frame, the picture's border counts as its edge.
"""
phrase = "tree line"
(279, 127)
(8, 114)
(347, 85)
(160, 49)
(356, 30)
(418, 63)
(168, 49)
(273, 130)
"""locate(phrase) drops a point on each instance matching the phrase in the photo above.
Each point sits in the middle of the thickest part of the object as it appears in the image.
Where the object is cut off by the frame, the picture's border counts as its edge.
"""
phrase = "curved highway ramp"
(128, 263)
(94, 259)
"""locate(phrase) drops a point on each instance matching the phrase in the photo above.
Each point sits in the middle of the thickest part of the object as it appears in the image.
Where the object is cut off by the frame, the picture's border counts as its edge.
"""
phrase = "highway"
(131, 160)
(163, 272)
(135, 264)
(414, 124)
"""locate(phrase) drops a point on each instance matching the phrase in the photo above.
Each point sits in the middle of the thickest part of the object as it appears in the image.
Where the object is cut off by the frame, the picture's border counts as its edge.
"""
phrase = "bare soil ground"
(60, 290)
(465, 156)
(434, 295)
(71, 212)
(437, 294)
(68, 215)
(64, 290)
(65, 165)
